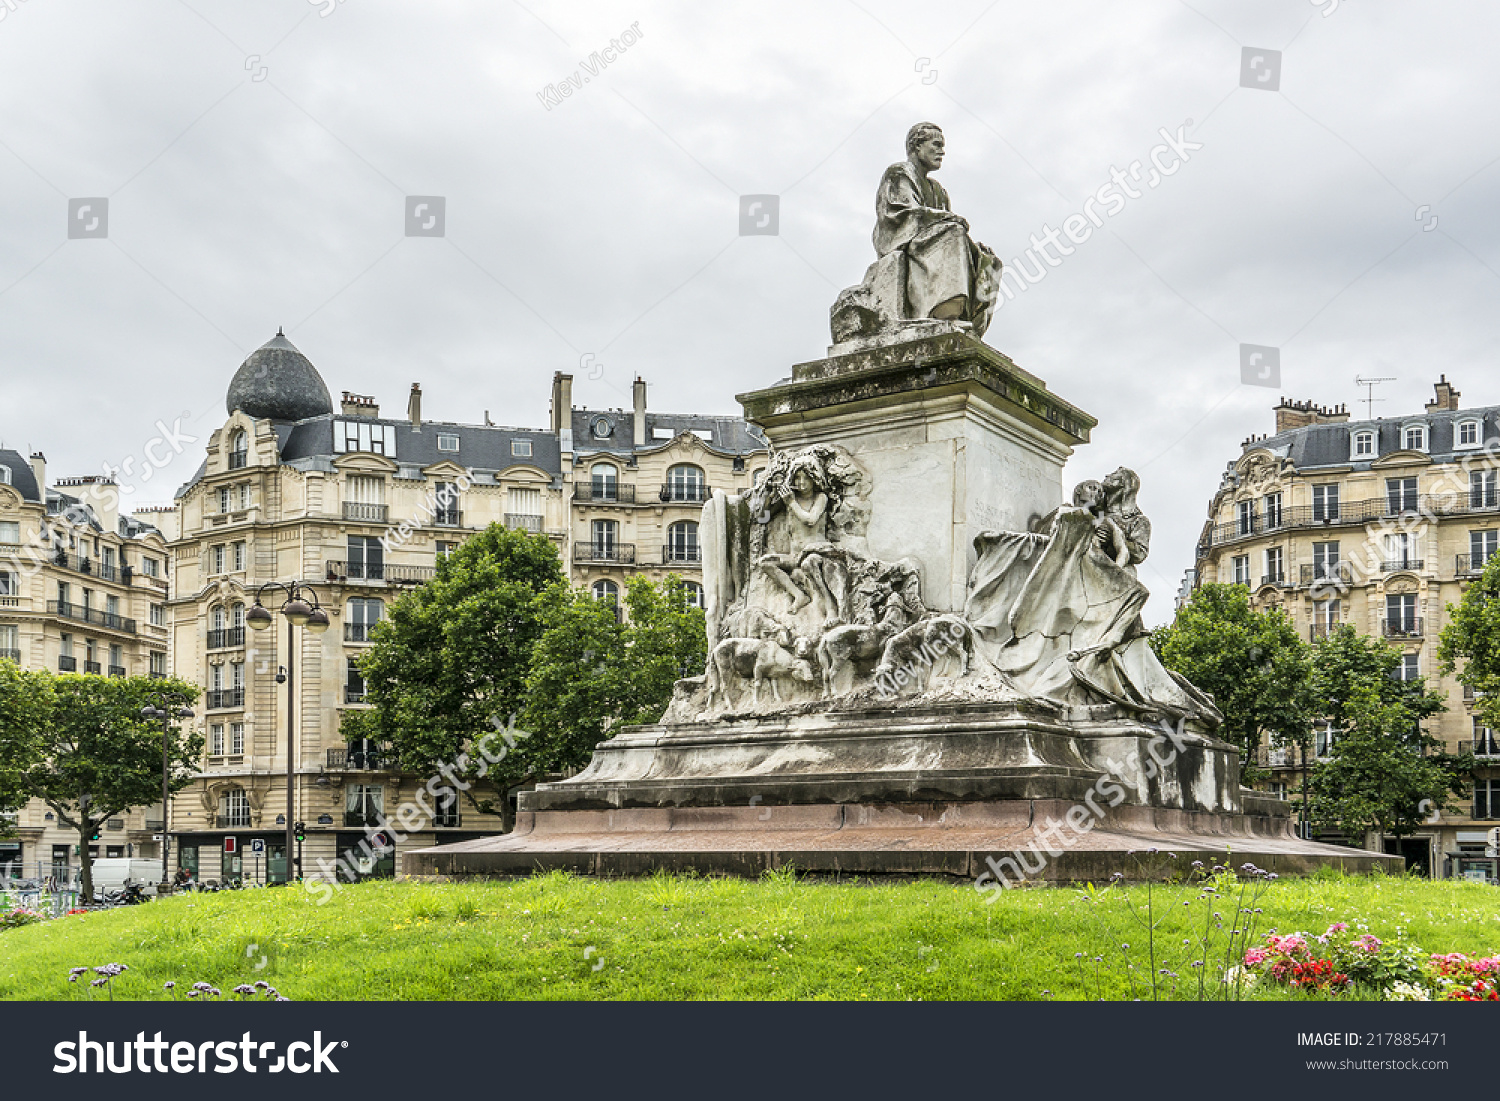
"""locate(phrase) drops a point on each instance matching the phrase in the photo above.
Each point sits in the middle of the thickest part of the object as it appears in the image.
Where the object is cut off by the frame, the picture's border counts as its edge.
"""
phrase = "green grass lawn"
(556, 937)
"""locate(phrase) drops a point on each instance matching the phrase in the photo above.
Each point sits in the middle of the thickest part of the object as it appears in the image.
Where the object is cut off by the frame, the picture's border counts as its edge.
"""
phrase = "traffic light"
(95, 837)
(299, 830)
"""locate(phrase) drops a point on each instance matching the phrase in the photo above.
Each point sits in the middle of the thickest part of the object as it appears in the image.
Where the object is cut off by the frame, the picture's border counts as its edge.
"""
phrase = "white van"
(111, 872)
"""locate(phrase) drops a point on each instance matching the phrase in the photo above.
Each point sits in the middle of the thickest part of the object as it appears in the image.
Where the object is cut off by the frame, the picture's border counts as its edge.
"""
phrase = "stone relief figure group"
(800, 615)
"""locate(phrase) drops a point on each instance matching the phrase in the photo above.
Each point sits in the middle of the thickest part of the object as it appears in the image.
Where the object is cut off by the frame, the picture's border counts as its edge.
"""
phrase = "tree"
(1382, 774)
(1473, 636)
(594, 671)
(449, 663)
(1252, 661)
(24, 702)
(98, 758)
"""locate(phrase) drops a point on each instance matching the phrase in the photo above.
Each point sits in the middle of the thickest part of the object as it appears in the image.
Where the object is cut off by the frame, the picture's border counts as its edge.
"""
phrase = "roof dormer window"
(4, 474)
(601, 428)
(447, 443)
(1466, 433)
(1414, 437)
(1363, 445)
(520, 449)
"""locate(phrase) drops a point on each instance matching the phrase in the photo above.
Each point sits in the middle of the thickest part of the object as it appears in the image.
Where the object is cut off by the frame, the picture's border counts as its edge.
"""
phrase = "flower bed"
(1340, 960)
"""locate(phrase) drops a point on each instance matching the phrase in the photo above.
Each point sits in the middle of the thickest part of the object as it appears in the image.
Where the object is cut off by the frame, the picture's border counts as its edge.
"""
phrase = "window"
(1401, 613)
(65, 645)
(445, 810)
(606, 590)
(237, 675)
(523, 509)
(216, 678)
(366, 558)
(1400, 495)
(216, 740)
(364, 805)
(234, 808)
(447, 443)
(1325, 502)
(10, 641)
(10, 531)
(1485, 742)
(216, 618)
(112, 606)
(1468, 433)
(244, 494)
(8, 585)
(1482, 488)
(682, 542)
(116, 660)
(239, 447)
(1323, 740)
(158, 663)
(224, 498)
(601, 428)
(1481, 546)
(1414, 437)
(1409, 669)
(445, 498)
(354, 682)
(216, 558)
(1245, 518)
(1275, 566)
(520, 449)
(4, 474)
(1486, 798)
(1325, 616)
(685, 483)
(444, 549)
(1325, 560)
(1364, 445)
(694, 593)
(1272, 504)
(1242, 569)
(151, 567)
(604, 536)
(239, 556)
(236, 739)
(1398, 554)
(363, 435)
(237, 616)
(602, 482)
(364, 613)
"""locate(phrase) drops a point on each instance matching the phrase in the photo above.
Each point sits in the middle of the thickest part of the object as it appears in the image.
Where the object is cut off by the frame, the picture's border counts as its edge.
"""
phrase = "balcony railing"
(92, 667)
(360, 820)
(238, 459)
(1348, 513)
(371, 514)
(1471, 563)
(11, 655)
(685, 494)
(66, 663)
(1327, 571)
(1486, 747)
(1405, 627)
(359, 632)
(221, 698)
(604, 493)
(354, 695)
(447, 518)
(605, 553)
(681, 556)
(1391, 565)
(231, 821)
(117, 670)
(347, 757)
(1277, 578)
(91, 615)
(388, 572)
(220, 638)
(523, 522)
(1321, 630)
(82, 564)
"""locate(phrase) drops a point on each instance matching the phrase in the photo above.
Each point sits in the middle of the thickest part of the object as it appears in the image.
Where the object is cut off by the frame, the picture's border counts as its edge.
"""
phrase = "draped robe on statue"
(1062, 619)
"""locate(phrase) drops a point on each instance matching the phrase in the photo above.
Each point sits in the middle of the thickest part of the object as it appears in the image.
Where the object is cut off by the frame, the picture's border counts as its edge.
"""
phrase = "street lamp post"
(166, 715)
(299, 613)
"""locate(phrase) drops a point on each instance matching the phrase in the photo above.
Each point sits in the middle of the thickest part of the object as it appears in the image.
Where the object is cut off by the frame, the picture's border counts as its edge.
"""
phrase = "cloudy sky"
(257, 156)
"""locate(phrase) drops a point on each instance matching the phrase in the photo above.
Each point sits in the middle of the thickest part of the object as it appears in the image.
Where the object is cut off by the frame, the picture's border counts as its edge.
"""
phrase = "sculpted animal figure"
(760, 661)
(914, 651)
(841, 647)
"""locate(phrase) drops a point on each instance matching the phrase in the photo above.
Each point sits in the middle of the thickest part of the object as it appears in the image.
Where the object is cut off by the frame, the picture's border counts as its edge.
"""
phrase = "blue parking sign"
(258, 845)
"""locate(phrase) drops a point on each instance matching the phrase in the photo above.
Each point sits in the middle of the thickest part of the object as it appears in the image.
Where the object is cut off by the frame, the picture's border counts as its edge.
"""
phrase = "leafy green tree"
(595, 671)
(448, 664)
(1473, 637)
(1251, 660)
(1385, 773)
(24, 701)
(98, 758)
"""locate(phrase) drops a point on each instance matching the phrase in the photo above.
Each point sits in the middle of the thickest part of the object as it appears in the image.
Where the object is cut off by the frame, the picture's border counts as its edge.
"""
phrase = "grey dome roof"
(278, 383)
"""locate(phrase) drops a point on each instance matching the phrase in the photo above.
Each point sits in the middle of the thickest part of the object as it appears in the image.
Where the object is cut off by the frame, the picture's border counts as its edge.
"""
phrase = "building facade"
(1380, 524)
(83, 589)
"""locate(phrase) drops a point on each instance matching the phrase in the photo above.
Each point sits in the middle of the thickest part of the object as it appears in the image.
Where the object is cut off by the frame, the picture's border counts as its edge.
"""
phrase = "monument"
(923, 658)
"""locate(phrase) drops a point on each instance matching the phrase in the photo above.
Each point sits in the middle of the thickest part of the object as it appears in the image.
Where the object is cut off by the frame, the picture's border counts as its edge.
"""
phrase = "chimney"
(562, 401)
(1300, 414)
(414, 405)
(359, 405)
(1445, 397)
(640, 411)
(39, 471)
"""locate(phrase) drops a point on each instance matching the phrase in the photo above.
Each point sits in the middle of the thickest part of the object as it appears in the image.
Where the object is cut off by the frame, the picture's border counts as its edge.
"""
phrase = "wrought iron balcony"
(1277, 578)
(1391, 565)
(1340, 572)
(220, 638)
(1321, 630)
(361, 512)
(681, 555)
(354, 695)
(523, 522)
(1471, 563)
(91, 615)
(117, 670)
(1351, 513)
(219, 699)
(66, 663)
(604, 493)
(447, 518)
(238, 459)
(231, 821)
(346, 758)
(11, 655)
(685, 494)
(359, 632)
(92, 667)
(84, 565)
(605, 553)
(388, 572)
(1404, 627)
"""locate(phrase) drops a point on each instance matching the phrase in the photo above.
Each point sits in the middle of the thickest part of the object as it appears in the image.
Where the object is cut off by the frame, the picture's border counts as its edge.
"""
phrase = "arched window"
(364, 613)
(685, 483)
(237, 616)
(606, 590)
(216, 617)
(682, 543)
(604, 482)
(1414, 437)
(234, 808)
(694, 593)
(239, 449)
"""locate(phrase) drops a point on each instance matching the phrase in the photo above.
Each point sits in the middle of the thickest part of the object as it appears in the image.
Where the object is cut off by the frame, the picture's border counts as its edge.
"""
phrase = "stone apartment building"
(359, 507)
(83, 589)
(1380, 524)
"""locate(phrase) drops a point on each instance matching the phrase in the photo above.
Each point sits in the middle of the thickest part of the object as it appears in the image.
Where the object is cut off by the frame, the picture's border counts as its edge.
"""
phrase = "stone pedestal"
(957, 440)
